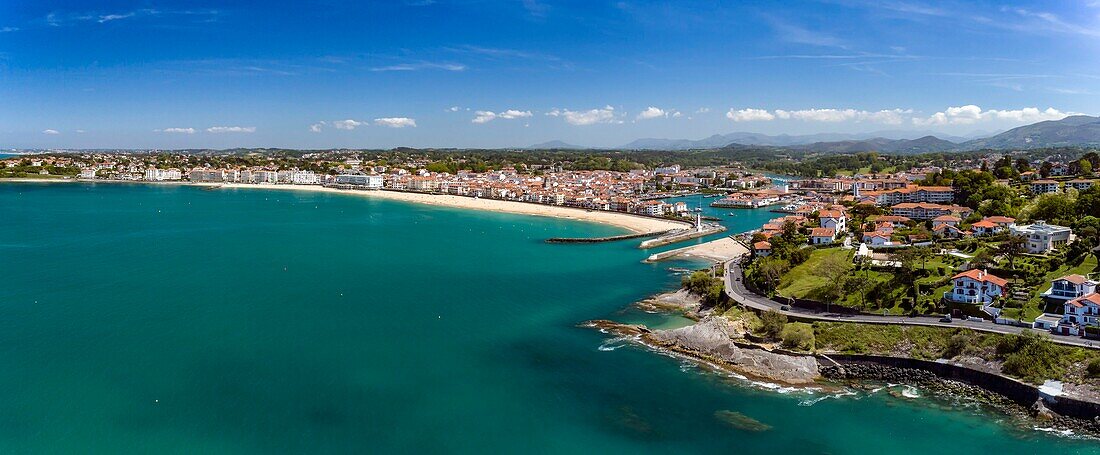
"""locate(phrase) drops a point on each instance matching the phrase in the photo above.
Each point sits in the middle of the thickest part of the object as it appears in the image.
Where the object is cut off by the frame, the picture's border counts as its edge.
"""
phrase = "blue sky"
(483, 73)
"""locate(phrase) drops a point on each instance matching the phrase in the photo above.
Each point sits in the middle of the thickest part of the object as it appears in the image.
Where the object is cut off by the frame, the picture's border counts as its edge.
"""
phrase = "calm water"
(163, 319)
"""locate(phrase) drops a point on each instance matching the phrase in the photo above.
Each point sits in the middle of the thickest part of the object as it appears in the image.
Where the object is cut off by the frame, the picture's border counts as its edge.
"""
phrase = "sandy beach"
(633, 223)
(719, 250)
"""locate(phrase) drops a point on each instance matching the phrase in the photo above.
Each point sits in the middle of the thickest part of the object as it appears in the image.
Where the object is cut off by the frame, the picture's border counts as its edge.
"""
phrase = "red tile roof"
(981, 276)
(823, 232)
(762, 245)
(1075, 279)
(1079, 302)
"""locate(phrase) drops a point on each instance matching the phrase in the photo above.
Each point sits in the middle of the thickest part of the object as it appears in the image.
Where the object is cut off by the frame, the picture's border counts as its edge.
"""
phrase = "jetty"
(613, 238)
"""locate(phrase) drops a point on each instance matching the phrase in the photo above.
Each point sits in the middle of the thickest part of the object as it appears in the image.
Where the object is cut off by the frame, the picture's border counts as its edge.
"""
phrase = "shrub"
(1029, 356)
(957, 345)
(772, 323)
(1093, 368)
(798, 335)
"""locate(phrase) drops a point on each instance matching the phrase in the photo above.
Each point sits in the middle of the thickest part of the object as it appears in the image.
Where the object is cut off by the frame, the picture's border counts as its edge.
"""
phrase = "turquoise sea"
(173, 319)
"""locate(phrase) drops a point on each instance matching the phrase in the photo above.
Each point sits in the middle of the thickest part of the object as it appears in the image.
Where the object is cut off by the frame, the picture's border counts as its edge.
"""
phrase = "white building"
(87, 173)
(1079, 312)
(160, 175)
(370, 182)
(1070, 287)
(1042, 238)
(304, 178)
(834, 219)
(976, 286)
(1044, 186)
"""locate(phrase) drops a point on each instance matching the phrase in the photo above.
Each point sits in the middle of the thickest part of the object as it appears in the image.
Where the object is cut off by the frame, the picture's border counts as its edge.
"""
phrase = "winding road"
(737, 291)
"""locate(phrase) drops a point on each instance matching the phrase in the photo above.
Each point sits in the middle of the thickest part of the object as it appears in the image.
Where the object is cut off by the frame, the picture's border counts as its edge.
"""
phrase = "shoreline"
(633, 223)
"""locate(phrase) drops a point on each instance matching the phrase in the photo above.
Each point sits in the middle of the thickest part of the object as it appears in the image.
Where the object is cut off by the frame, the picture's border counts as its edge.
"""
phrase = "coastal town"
(943, 242)
(990, 243)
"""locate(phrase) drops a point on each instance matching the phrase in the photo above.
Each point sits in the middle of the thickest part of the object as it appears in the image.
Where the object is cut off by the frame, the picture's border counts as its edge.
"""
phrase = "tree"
(772, 323)
(1011, 247)
(771, 269)
(1088, 202)
(1045, 168)
(1052, 207)
(1085, 168)
(833, 268)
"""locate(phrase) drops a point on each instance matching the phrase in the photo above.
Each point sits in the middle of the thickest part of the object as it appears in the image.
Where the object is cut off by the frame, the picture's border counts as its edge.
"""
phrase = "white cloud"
(80, 131)
(651, 113)
(702, 110)
(316, 127)
(51, 132)
(8, 29)
(589, 117)
(488, 116)
(749, 115)
(969, 114)
(395, 122)
(115, 17)
(348, 124)
(677, 114)
(176, 130)
(231, 129)
(421, 66)
(514, 113)
(887, 116)
(453, 109)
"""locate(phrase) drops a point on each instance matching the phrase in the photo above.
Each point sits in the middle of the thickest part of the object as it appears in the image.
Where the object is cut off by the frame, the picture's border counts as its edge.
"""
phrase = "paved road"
(737, 291)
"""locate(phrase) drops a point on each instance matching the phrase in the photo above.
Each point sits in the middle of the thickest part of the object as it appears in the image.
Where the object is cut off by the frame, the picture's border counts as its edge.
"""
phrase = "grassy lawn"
(801, 280)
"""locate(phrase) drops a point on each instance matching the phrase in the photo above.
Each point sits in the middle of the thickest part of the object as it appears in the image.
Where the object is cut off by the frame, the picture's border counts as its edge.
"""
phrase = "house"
(1079, 312)
(1044, 186)
(950, 220)
(976, 286)
(822, 236)
(762, 248)
(1042, 238)
(950, 231)
(877, 238)
(1079, 184)
(87, 173)
(1027, 176)
(834, 219)
(1070, 287)
(894, 220)
(992, 225)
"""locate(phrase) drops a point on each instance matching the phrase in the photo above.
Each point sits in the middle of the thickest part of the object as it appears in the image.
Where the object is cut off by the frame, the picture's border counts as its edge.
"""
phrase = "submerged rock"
(740, 421)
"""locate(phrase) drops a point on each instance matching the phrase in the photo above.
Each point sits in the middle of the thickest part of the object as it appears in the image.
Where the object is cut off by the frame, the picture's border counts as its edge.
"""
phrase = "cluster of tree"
(710, 288)
(787, 251)
(25, 168)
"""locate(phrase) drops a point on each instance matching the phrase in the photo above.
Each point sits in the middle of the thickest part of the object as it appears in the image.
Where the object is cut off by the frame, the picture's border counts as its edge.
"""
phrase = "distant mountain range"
(1078, 130)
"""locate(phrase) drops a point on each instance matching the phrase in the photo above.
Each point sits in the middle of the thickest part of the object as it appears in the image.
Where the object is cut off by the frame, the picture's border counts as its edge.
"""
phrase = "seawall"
(1020, 393)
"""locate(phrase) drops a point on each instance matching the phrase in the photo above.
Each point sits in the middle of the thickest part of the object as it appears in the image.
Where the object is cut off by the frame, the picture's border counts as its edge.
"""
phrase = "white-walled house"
(822, 236)
(976, 286)
(834, 219)
(1079, 312)
(1070, 287)
(762, 248)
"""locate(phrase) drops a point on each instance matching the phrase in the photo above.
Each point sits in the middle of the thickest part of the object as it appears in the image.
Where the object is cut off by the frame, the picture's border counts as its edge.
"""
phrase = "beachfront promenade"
(736, 290)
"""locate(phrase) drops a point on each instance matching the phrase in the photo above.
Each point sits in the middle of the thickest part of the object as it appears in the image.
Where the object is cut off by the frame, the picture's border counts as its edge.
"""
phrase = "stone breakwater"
(1037, 413)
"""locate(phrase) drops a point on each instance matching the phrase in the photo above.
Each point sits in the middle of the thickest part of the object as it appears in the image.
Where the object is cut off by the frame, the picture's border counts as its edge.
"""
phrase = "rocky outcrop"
(715, 340)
